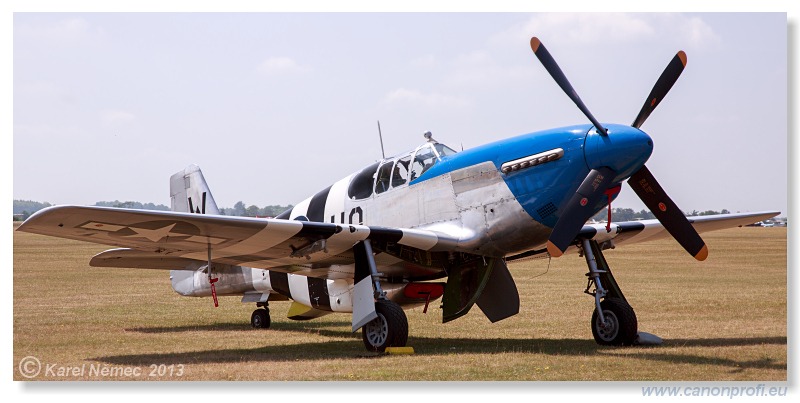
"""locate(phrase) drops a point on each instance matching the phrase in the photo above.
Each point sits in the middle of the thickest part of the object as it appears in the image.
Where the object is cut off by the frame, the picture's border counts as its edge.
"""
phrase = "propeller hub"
(625, 149)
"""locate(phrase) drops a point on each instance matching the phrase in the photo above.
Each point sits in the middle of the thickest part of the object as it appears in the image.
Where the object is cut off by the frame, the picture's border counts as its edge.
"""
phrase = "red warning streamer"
(214, 291)
(610, 193)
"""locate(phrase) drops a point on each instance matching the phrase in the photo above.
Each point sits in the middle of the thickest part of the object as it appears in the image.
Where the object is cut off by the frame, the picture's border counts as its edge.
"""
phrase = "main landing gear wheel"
(389, 329)
(620, 327)
(260, 319)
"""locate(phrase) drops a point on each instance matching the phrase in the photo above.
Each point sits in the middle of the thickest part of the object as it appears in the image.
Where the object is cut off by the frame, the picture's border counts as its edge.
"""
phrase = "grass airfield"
(724, 319)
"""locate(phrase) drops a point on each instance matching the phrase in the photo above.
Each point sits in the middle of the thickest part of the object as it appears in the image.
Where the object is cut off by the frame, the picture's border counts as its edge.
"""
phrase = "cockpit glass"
(400, 175)
(396, 173)
(382, 180)
(444, 150)
(424, 159)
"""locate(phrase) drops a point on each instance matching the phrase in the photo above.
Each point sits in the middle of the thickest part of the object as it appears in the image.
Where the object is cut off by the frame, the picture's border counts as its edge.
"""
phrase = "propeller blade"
(661, 88)
(665, 210)
(580, 209)
(552, 67)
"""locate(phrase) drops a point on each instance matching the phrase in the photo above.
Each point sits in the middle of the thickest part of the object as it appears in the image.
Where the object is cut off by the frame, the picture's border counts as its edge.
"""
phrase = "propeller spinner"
(579, 208)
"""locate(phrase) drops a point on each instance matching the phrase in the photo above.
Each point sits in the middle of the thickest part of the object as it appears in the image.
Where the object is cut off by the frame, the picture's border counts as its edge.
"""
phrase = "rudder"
(189, 192)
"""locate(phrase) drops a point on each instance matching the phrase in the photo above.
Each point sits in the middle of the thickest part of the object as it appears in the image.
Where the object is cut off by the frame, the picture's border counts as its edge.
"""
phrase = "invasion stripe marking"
(300, 210)
(280, 283)
(630, 227)
(284, 215)
(346, 238)
(419, 239)
(361, 263)
(318, 293)
(317, 229)
(651, 230)
(391, 235)
(268, 237)
(298, 287)
(336, 199)
(619, 232)
(316, 208)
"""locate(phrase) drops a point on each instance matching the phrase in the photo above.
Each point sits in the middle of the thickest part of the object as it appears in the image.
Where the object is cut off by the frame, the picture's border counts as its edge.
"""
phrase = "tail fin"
(189, 192)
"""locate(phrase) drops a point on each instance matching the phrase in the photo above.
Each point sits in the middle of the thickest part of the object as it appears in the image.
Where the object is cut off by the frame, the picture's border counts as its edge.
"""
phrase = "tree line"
(239, 209)
(25, 208)
(628, 214)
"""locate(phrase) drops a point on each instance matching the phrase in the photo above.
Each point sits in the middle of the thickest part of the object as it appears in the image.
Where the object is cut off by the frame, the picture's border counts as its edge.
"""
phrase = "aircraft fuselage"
(501, 198)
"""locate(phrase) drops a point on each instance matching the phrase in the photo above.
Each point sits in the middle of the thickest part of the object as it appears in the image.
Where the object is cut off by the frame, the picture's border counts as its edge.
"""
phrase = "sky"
(276, 106)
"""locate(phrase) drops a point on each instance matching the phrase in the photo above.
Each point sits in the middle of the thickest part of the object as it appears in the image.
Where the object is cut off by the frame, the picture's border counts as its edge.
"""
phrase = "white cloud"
(429, 100)
(577, 28)
(281, 65)
(696, 32)
(487, 77)
(479, 69)
(596, 28)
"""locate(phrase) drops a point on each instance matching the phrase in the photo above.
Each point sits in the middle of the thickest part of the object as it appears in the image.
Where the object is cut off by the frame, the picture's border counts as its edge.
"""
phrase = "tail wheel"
(620, 327)
(389, 329)
(260, 319)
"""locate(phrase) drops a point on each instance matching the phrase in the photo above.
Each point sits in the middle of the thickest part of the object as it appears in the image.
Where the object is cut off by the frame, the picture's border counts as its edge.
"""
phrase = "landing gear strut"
(383, 323)
(613, 321)
(260, 317)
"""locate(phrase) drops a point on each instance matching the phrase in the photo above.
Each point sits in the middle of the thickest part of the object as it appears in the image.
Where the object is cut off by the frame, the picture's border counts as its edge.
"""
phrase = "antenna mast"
(381, 137)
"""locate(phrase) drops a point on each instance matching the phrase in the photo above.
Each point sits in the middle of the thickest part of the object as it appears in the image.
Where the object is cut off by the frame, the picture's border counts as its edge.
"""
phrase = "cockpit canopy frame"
(398, 171)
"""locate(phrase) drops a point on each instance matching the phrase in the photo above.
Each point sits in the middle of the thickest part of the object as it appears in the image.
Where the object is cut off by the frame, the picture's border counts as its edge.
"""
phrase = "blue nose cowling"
(625, 149)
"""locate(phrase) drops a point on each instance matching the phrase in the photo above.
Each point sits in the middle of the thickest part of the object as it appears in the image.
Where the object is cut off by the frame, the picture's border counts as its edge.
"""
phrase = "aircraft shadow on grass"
(432, 346)
(240, 326)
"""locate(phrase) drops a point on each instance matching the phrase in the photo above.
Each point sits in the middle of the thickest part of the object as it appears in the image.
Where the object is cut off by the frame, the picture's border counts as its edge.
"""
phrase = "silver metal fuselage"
(496, 200)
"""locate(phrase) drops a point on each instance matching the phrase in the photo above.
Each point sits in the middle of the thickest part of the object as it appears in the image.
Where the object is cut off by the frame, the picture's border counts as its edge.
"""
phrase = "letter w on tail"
(187, 188)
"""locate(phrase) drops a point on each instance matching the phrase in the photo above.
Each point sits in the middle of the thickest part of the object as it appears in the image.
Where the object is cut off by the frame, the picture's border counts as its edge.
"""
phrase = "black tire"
(621, 325)
(389, 329)
(260, 319)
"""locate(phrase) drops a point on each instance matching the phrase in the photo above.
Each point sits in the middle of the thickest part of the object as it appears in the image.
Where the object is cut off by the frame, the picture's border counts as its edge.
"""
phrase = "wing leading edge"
(173, 237)
(158, 239)
(628, 232)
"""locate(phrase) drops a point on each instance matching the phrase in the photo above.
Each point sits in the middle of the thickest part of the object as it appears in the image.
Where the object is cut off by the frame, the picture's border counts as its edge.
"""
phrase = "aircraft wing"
(628, 232)
(161, 238)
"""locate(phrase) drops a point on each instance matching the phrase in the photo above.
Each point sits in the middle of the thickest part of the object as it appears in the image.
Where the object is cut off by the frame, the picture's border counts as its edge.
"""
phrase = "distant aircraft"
(375, 242)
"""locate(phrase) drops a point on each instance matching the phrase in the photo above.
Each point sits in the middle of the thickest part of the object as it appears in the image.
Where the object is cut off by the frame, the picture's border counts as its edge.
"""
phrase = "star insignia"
(154, 235)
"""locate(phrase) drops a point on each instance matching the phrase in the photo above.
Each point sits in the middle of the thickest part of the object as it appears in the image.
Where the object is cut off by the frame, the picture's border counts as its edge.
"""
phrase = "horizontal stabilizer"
(138, 259)
(255, 296)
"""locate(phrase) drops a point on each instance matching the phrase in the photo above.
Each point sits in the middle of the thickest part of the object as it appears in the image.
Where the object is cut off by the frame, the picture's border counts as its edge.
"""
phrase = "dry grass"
(723, 319)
